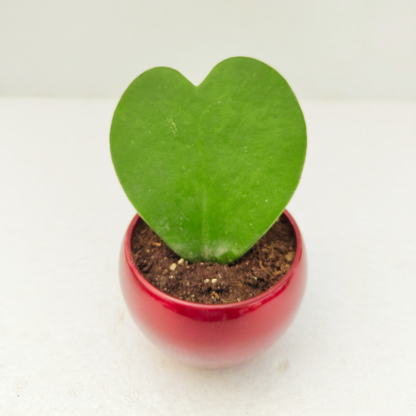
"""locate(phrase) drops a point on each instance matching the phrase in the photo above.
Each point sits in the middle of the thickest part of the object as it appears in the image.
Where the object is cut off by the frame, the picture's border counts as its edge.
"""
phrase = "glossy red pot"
(212, 336)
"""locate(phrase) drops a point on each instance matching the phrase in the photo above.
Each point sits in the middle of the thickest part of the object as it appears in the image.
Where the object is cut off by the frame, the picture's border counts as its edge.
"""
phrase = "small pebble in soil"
(172, 266)
(290, 256)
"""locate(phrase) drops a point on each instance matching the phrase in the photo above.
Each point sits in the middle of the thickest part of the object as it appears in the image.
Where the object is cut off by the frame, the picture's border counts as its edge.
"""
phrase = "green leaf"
(210, 167)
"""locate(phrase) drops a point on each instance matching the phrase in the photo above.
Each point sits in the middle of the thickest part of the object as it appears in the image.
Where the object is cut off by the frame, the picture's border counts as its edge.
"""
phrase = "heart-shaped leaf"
(210, 167)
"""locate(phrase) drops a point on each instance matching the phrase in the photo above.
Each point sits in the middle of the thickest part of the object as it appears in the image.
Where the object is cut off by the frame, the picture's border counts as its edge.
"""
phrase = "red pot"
(212, 336)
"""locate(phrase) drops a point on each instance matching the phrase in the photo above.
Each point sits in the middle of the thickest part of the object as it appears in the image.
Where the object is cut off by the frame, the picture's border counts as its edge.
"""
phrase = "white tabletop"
(67, 344)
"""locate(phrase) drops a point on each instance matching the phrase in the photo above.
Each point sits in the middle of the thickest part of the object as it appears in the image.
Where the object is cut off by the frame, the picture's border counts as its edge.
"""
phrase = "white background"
(67, 343)
(326, 49)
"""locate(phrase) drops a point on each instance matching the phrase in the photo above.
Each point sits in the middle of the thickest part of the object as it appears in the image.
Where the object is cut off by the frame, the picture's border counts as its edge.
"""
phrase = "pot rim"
(262, 298)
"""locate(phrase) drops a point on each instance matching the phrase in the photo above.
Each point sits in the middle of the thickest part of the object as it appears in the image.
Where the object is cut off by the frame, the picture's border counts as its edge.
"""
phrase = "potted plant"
(210, 168)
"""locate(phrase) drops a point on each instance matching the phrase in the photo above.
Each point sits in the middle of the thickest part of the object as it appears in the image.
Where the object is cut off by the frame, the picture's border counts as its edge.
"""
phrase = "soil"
(211, 283)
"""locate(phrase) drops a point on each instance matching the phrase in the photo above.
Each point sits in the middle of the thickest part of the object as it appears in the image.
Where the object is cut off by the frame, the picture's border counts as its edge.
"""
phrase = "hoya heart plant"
(210, 167)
